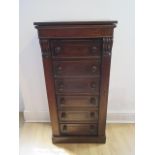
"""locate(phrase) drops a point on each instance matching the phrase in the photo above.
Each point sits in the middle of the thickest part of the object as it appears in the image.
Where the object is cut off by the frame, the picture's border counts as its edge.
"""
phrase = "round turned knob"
(60, 86)
(57, 49)
(93, 68)
(62, 100)
(63, 115)
(64, 128)
(92, 128)
(94, 49)
(59, 68)
(92, 100)
(92, 114)
(93, 85)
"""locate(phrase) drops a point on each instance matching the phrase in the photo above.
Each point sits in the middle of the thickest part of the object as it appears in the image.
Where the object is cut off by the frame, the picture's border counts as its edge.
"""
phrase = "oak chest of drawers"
(76, 59)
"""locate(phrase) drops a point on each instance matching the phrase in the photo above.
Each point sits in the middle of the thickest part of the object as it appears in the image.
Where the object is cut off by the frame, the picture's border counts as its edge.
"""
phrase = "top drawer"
(76, 48)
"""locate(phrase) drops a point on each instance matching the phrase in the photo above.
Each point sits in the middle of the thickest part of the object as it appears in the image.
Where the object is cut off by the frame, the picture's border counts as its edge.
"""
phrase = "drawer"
(78, 129)
(76, 48)
(77, 101)
(90, 115)
(81, 85)
(77, 68)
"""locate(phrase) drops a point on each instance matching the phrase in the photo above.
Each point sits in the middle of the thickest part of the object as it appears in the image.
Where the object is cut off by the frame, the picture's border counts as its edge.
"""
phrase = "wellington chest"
(76, 58)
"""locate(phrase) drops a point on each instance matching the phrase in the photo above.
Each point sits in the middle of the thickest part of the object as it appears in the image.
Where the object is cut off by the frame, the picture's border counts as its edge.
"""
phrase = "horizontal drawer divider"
(79, 61)
(78, 108)
(83, 93)
(77, 76)
(76, 58)
(78, 122)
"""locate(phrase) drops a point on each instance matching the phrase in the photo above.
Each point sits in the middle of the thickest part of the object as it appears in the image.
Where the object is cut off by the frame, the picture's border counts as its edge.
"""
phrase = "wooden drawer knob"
(59, 68)
(92, 100)
(93, 85)
(94, 49)
(60, 86)
(64, 128)
(92, 114)
(92, 128)
(63, 115)
(57, 49)
(62, 100)
(93, 68)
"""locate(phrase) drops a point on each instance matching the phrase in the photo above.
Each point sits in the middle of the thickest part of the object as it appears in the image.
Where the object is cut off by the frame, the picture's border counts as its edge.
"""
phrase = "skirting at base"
(82, 139)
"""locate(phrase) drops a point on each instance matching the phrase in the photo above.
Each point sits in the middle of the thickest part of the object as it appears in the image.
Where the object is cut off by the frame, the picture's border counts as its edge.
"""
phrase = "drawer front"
(77, 101)
(78, 129)
(77, 68)
(78, 115)
(81, 85)
(76, 48)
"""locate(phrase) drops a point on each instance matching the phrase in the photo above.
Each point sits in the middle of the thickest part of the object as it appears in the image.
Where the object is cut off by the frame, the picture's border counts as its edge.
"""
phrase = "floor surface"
(35, 139)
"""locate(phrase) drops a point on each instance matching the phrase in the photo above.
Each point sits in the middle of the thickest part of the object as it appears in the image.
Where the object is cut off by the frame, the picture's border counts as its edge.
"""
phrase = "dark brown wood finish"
(76, 59)
(74, 48)
(75, 32)
(74, 69)
(77, 85)
(76, 115)
(79, 139)
(105, 73)
(75, 129)
(50, 87)
(77, 101)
